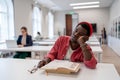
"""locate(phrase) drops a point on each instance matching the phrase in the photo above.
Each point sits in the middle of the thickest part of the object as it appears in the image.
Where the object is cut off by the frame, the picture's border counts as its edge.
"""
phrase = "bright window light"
(37, 18)
(6, 20)
(51, 25)
(82, 7)
(85, 3)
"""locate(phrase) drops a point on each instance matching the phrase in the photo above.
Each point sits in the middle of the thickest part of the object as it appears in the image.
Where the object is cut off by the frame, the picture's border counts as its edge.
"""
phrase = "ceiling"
(64, 4)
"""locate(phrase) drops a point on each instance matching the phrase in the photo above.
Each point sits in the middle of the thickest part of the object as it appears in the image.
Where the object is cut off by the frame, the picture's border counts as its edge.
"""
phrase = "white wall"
(114, 10)
(59, 22)
(23, 16)
(44, 21)
(113, 42)
(99, 16)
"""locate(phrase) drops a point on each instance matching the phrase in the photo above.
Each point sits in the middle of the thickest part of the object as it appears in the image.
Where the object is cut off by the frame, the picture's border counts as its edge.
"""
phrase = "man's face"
(78, 32)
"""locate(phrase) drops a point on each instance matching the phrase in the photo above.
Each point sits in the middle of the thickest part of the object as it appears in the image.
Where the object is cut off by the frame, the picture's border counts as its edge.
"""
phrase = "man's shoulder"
(64, 37)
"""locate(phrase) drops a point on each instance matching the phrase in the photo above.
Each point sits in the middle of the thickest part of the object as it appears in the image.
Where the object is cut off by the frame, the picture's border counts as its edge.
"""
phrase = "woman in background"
(38, 37)
(24, 40)
(104, 36)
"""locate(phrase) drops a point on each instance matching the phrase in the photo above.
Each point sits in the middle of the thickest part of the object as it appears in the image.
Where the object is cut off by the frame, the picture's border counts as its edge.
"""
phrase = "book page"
(61, 64)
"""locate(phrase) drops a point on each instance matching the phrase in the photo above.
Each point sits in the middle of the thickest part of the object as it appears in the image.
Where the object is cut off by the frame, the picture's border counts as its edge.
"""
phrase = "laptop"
(11, 44)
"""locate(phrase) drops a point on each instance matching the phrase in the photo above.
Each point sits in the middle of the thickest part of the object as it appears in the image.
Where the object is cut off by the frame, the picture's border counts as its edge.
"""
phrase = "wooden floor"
(109, 56)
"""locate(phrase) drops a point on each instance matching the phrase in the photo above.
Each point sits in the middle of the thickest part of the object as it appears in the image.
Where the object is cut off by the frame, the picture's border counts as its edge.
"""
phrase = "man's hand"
(43, 62)
(86, 52)
(82, 39)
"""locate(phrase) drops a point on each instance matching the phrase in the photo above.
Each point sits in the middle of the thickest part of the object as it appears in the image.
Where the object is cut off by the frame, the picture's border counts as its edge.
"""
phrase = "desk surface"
(49, 40)
(93, 40)
(44, 42)
(94, 43)
(30, 48)
(96, 49)
(16, 69)
(42, 48)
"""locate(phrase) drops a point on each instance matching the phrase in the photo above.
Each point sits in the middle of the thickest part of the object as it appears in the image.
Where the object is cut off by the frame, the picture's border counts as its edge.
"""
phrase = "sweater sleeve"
(54, 51)
(92, 62)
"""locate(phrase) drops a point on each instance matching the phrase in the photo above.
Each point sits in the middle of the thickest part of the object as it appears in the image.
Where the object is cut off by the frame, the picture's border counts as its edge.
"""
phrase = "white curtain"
(6, 20)
(51, 25)
(37, 14)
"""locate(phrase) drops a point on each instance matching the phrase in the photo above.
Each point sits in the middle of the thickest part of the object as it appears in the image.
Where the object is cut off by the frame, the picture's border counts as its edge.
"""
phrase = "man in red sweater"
(73, 48)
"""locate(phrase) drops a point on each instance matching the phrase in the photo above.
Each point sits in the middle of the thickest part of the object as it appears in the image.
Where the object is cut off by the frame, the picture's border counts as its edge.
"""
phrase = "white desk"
(93, 40)
(44, 43)
(93, 43)
(15, 69)
(27, 49)
(49, 40)
(98, 50)
(32, 49)
(95, 49)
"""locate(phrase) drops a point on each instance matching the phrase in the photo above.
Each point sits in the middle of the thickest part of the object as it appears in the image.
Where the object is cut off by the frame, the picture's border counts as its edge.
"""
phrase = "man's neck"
(74, 45)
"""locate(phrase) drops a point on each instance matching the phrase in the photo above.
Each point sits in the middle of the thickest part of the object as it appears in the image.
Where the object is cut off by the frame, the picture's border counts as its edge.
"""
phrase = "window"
(36, 21)
(50, 25)
(6, 20)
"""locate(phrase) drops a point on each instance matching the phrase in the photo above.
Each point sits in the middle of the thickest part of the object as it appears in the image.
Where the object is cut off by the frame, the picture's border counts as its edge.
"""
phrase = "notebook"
(61, 66)
(11, 44)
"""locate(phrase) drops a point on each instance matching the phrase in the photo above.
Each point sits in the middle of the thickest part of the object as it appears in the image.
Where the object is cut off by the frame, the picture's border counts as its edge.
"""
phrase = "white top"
(17, 69)
(38, 38)
(68, 54)
(23, 40)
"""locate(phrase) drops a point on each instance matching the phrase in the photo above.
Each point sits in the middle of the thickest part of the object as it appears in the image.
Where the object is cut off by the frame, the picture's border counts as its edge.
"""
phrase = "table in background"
(44, 43)
(97, 50)
(32, 49)
(49, 40)
(93, 40)
(92, 43)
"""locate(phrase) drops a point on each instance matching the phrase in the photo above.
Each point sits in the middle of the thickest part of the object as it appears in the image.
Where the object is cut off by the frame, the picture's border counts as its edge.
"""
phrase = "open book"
(61, 66)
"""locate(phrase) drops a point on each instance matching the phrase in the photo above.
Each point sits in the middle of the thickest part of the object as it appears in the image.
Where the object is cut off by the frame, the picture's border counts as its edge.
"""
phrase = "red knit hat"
(90, 26)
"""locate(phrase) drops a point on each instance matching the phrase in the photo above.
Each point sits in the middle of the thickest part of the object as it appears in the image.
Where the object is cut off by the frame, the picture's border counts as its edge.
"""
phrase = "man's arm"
(89, 58)
(51, 55)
